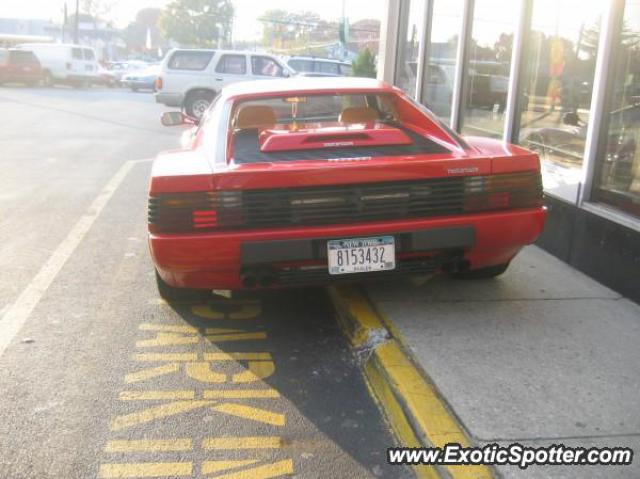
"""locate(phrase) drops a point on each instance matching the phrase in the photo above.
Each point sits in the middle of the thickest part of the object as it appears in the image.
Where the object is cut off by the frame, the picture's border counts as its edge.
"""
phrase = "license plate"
(361, 255)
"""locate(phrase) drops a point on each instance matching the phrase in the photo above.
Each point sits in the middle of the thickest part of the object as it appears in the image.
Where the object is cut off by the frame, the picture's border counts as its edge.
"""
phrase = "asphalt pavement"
(101, 378)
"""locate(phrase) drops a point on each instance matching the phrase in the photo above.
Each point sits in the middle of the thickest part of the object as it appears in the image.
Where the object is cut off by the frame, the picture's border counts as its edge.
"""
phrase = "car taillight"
(197, 211)
(505, 191)
(159, 83)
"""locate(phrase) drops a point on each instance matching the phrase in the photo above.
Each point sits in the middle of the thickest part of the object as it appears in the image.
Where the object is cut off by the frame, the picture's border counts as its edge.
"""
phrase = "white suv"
(191, 79)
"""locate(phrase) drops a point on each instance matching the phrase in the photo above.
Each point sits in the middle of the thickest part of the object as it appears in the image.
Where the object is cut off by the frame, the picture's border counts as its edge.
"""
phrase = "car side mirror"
(176, 118)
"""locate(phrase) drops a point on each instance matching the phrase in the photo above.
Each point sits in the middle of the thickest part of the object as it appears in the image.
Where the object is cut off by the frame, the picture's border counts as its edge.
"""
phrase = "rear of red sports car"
(298, 182)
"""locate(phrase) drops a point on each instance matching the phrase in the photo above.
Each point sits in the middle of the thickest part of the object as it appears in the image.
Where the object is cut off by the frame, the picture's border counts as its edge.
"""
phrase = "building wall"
(561, 77)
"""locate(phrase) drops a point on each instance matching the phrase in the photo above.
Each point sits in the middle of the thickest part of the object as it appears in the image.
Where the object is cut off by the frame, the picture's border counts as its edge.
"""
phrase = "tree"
(291, 30)
(365, 64)
(147, 20)
(201, 23)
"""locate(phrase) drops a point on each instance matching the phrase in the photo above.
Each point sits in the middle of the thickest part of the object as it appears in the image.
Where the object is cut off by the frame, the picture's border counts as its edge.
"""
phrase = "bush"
(365, 64)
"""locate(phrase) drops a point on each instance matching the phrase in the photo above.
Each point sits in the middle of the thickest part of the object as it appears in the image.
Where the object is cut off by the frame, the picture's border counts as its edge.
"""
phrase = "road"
(99, 377)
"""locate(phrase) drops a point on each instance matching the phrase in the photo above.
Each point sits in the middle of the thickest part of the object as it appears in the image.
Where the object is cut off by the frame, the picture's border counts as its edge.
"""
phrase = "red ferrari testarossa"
(304, 181)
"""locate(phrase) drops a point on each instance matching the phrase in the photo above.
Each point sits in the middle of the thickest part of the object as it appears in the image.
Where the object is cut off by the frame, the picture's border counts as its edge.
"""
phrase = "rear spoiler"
(333, 137)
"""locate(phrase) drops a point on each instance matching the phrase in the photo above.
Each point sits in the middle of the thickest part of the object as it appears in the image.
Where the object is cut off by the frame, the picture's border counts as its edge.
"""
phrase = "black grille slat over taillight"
(343, 204)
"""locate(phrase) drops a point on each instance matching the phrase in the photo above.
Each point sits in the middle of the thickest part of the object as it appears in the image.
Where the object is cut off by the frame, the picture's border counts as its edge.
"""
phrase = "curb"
(415, 410)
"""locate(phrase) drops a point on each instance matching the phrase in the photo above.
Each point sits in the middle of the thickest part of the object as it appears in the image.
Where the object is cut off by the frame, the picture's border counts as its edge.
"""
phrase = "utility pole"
(75, 28)
(64, 23)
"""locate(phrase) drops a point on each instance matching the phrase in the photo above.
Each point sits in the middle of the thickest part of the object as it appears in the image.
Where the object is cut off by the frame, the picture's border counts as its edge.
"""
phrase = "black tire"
(482, 273)
(171, 293)
(197, 102)
(134, 89)
(47, 78)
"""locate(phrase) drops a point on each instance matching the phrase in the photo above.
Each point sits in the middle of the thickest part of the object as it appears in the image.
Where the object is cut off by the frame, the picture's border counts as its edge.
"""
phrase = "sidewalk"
(542, 355)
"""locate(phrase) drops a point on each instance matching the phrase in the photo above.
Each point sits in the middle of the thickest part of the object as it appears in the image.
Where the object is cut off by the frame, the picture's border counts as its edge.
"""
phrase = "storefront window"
(407, 66)
(618, 180)
(488, 66)
(437, 88)
(558, 82)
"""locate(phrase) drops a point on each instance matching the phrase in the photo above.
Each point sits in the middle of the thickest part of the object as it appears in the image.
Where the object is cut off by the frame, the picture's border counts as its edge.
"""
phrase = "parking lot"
(104, 379)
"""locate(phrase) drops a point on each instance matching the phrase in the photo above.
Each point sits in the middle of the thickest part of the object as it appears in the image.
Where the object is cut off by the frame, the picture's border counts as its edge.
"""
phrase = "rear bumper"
(170, 99)
(220, 260)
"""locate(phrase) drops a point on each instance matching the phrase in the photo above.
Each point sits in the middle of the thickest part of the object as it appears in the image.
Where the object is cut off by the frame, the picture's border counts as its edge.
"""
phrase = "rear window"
(19, 57)
(301, 65)
(190, 60)
(324, 114)
(327, 67)
(346, 70)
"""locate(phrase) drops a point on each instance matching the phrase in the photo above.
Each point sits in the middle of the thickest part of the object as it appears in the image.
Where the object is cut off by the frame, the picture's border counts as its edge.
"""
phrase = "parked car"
(142, 79)
(120, 69)
(105, 77)
(191, 79)
(19, 66)
(311, 180)
(65, 63)
(320, 67)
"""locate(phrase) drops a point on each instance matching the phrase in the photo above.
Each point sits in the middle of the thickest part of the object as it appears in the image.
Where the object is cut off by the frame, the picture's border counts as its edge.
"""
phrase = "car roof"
(292, 86)
(220, 50)
(317, 59)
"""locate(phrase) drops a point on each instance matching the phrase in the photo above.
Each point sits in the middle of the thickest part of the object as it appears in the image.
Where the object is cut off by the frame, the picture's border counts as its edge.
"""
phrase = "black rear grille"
(380, 201)
(344, 204)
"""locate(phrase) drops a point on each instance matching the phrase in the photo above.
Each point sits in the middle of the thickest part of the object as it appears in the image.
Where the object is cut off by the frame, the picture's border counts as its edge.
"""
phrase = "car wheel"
(134, 88)
(171, 293)
(197, 103)
(47, 78)
(482, 273)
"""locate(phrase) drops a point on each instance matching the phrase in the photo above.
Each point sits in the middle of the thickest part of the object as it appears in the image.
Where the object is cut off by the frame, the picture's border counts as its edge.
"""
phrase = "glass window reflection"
(437, 89)
(558, 82)
(618, 180)
(489, 61)
(407, 66)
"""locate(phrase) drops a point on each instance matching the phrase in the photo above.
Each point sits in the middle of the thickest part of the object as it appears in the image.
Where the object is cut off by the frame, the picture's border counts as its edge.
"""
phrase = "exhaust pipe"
(266, 280)
(249, 281)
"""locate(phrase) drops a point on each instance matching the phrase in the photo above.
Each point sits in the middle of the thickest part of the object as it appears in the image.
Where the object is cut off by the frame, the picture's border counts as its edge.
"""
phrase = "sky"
(246, 26)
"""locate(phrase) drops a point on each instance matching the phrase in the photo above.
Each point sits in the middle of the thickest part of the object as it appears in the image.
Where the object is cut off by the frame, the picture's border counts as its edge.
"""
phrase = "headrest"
(254, 117)
(358, 114)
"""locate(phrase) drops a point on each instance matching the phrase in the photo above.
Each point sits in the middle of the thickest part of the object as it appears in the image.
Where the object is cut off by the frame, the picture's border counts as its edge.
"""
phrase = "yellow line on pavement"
(150, 373)
(418, 414)
(209, 467)
(218, 338)
(168, 339)
(149, 445)
(257, 370)
(158, 412)
(247, 310)
(143, 357)
(252, 413)
(155, 395)
(241, 394)
(357, 318)
(237, 356)
(146, 469)
(172, 328)
(266, 471)
(247, 442)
